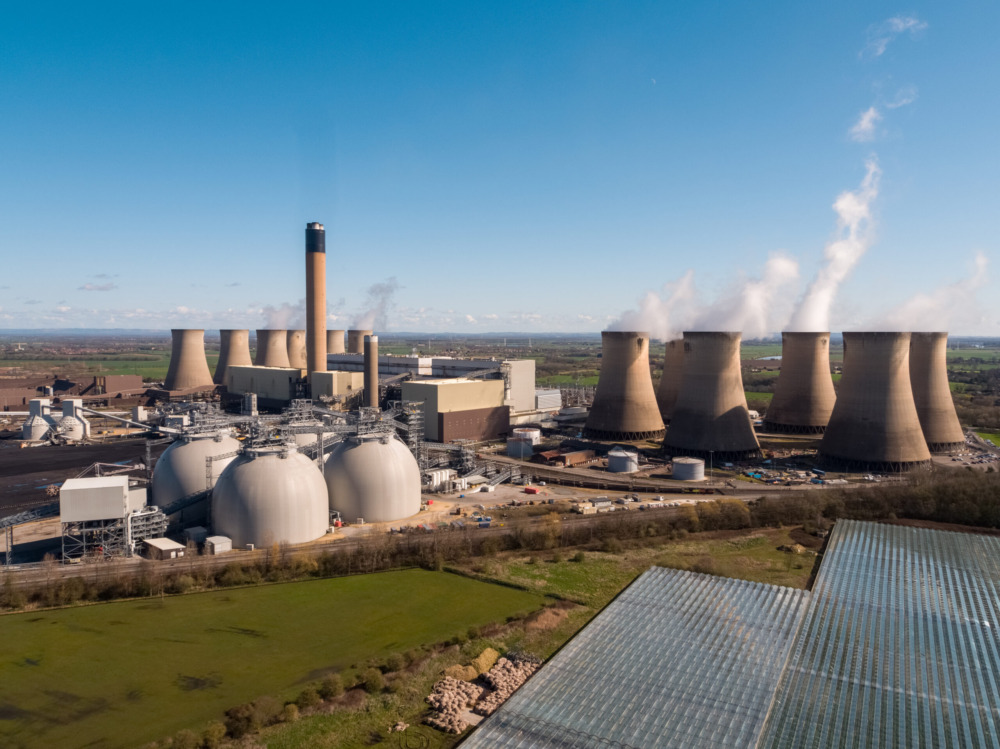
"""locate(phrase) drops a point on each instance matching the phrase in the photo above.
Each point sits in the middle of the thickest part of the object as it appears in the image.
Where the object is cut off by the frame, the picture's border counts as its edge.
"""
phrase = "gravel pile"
(449, 698)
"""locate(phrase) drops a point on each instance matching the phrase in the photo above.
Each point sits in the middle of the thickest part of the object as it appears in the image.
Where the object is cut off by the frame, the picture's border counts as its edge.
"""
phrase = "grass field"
(120, 674)
(993, 437)
(151, 365)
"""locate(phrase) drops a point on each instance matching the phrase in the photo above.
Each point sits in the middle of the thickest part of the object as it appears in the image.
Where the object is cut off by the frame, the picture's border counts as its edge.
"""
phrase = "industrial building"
(874, 425)
(804, 395)
(624, 406)
(710, 416)
(460, 408)
(897, 645)
(932, 394)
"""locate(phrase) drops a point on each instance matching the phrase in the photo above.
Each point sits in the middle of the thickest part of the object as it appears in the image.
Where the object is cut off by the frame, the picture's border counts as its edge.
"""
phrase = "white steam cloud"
(752, 307)
(285, 316)
(864, 129)
(378, 306)
(665, 315)
(947, 307)
(854, 236)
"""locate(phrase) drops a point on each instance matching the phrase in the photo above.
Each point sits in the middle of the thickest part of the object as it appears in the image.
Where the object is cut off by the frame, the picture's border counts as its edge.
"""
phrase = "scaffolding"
(95, 539)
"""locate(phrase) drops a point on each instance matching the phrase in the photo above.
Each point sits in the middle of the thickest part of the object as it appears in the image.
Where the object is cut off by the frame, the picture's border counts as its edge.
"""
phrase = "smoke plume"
(378, 306)
(949, 306)
(854, 236)
(751, 307)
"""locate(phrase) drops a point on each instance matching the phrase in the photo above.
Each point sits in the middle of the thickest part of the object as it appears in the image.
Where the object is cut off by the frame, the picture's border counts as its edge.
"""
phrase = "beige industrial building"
(336, 384)
(274, 386)
(461, 408)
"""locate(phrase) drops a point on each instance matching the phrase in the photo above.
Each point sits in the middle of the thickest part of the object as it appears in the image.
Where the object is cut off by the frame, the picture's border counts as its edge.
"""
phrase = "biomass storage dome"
(181, 470)
(374, 477)
(270, 495)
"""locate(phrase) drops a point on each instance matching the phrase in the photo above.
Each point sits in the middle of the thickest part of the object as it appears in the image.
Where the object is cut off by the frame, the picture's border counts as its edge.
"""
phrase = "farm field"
(993, 437)
(121, 674)
(151, 365)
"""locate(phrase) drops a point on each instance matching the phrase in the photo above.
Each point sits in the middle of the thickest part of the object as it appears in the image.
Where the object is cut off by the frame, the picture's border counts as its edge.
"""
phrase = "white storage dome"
(374, 477)
(180, 471)
(270, 495)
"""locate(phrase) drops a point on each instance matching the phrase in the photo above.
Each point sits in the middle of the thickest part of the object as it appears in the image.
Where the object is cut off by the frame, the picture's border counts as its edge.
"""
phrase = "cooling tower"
(624, 404)
(371, 371)
(272, 348)
(710, 418)
(296, 344)
(670, 380)
(335, 341)
(315, 298)
(874, 425)
(356, 341)
(234, 352)
(803, 396)
(188, 365)
(931, 394)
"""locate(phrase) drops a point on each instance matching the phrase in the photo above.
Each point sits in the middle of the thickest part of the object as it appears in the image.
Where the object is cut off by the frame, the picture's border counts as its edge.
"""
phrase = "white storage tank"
(39, 420)
(520, 448)
(180, 471)
(270, 495)
(623, 461)
(689, 469)
(528, 433)
(374, 477)
(73, 425)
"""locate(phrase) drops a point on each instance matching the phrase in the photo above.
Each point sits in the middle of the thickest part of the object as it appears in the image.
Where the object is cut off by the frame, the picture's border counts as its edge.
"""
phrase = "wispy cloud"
(905, 95)
(33, 301)
(234, 283)
(881, 35)
(98, 286)
(864, 129)
(470, 319)
(104, 275)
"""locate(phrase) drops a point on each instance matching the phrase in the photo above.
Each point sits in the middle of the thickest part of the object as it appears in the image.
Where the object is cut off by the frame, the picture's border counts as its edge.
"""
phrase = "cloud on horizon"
(98, 287)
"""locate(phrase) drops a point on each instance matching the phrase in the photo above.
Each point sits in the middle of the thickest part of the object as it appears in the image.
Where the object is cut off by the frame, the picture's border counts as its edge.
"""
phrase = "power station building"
(461, 408)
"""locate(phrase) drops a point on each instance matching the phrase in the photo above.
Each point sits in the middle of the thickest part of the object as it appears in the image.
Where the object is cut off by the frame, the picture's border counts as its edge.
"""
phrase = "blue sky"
(514, 166)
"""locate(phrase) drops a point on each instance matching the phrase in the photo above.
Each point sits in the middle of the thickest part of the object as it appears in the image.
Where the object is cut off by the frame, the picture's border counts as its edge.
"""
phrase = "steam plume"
(946, 307)
(751, 307)
(665, 315)
(854, 236)
(377, 306)
(285, 316)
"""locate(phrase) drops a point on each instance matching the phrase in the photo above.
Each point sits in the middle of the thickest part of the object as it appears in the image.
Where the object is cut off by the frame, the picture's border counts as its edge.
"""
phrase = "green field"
(121, 674)
(993, 437)
(152, 365)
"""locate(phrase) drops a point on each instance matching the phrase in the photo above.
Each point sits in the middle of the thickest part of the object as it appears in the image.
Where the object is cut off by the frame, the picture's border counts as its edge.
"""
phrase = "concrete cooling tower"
(804, 395)
(335, 341)
(188, 366)
(670, 380)
(624, 405)
(272, 348)
(874, 425)
(296, 344)
(315, 298)
(371, 371)
(270, 495)
(356, 341)
(233, 352)
(374, 477)
(931, 394)
(710, 418)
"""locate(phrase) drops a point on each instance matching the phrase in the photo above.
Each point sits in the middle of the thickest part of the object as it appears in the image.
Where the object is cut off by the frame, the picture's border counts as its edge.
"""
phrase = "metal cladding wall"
(625, 403)
(315, 298)
(356, 341)
(272, 349)
(804, 395)
(374, 477)
(931, 394)
(474, 424)
(334, 342)
(270, 496)
(670, 380)
(874, 425)
(711, 412)
(296, 345)
(234, 352)
(370, 396)
(188, 365)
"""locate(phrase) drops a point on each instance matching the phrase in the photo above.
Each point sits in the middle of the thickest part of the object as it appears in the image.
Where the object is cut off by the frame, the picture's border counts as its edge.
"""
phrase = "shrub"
(290, 714)
(331, 687)
(612, 546)
(308, 697)
(372, 681)
(579, 557)
(186, 740)
(212, 736)
(394, 662)
(241, 720)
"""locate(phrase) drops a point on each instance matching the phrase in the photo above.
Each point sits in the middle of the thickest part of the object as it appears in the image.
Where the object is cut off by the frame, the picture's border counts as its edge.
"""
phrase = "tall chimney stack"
(931, 394)
(371, 371)
(335, 341)
(803, 395)
(234, 352)
(625, 404)
(356, 341)
(272, 349)
(874, 425)
(315, 299)
(188, 366)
